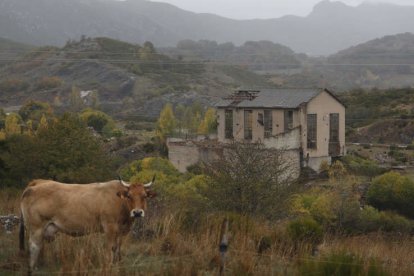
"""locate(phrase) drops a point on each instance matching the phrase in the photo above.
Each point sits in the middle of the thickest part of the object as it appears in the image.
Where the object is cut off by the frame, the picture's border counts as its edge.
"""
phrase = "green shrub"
(13, 85)
(305, 229)
(392, 191)
(339, 264)
(370, 219)
(49, 83)
(361, 166)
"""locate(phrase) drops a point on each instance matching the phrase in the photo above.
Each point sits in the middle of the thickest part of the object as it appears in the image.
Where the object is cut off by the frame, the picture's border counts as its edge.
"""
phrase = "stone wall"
(184, 153)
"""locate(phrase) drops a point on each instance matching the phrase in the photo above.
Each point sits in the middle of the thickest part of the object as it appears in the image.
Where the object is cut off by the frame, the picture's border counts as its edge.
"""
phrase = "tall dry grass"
(178, 243)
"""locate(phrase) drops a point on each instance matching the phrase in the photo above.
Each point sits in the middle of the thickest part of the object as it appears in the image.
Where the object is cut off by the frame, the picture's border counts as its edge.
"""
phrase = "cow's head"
(136, 196)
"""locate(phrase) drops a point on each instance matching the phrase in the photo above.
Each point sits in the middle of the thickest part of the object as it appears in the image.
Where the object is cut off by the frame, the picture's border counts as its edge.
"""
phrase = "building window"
(268, 123)
(334, 145)
(334, 127)
(312, 134)
(288, 122)
(228, 124)
(248, 124)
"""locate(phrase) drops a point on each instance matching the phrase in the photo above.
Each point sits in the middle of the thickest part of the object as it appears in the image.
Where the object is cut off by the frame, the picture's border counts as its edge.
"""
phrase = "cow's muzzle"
(137, 213)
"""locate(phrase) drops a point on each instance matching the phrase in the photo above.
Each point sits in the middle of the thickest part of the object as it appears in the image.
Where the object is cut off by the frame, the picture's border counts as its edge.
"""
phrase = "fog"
(249, 9)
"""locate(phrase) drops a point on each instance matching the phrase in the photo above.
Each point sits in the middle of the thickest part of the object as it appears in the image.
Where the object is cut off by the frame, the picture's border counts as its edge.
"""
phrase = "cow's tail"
(21, 233)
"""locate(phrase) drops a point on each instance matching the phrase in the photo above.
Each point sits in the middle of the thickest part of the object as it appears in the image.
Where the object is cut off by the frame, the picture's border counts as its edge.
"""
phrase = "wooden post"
(224, 244)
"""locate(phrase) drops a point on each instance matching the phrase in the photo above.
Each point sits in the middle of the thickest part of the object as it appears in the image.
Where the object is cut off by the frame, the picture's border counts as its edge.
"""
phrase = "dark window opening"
(268, 123)
(312, 128)
(260, 119)
(288, 120)
(334, 145)
(334, 127)
(248, 124)
(228, 124)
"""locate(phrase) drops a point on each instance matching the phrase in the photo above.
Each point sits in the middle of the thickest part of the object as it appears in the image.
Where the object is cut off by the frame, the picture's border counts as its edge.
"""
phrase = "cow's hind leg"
(36, 244)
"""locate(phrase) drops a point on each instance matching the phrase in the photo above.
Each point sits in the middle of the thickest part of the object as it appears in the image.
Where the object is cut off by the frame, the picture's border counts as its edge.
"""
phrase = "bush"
(370, 219)
(317, 204)
(100, 122)
(339, 264)
(49, 83)
(361, 166)
(305, 229)
(13, 85)
(392, 191)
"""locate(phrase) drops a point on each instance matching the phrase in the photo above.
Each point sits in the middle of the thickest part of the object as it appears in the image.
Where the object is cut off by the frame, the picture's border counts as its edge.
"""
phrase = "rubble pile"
(9, 222)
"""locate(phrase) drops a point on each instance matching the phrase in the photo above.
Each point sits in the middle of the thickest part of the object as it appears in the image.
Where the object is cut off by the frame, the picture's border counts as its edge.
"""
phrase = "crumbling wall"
(286, 141)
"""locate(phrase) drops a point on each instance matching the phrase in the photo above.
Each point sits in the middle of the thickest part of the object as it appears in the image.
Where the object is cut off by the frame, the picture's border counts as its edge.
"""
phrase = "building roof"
(271, 98)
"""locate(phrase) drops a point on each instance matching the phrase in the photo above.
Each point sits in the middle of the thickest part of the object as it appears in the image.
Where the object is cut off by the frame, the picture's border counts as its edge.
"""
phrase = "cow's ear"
(151, 194)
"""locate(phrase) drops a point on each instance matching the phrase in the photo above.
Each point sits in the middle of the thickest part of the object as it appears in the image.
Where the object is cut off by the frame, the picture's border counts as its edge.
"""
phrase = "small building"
(309, 124)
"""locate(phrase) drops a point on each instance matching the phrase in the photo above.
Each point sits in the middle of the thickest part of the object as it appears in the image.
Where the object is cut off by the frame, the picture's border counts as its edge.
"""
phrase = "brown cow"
(48, 207)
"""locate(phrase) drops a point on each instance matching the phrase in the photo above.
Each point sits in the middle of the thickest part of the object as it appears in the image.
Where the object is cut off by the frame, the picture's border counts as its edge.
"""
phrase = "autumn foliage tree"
(209, 123)
(166, 123)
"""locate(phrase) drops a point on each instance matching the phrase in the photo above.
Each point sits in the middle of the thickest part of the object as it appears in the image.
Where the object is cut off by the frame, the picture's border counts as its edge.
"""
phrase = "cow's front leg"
(114, 243)
(117, 252)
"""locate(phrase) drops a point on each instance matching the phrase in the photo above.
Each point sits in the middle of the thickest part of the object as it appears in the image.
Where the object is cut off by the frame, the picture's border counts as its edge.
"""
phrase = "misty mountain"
(330, 27)
(382, 63)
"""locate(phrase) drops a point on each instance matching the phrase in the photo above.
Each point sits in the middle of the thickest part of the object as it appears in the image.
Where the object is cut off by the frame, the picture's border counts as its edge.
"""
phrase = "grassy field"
(177, 244)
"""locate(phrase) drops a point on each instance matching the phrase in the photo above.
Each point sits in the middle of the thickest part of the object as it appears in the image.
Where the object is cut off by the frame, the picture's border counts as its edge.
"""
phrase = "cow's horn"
(149, 184)
(123, 182)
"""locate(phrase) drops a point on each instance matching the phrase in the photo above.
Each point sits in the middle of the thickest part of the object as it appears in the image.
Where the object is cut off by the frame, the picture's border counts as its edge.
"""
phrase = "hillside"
(129, 79)
(380, 116)
(383, 62)
(10, 50)
(330, 27)
(257, 56)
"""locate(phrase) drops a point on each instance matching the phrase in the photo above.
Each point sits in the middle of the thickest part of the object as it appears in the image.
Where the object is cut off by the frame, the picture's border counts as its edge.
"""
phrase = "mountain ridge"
(326, 30)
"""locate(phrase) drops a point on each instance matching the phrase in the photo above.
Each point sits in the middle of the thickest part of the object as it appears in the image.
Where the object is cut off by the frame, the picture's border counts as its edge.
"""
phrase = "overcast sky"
(248, 9)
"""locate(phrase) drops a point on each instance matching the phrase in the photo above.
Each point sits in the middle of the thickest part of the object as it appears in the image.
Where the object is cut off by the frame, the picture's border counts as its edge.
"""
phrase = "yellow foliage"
(208, 125)
(2, 135)
(317, 203)
(12, 125)
(43, 123)
(167, 122)
(337, 171)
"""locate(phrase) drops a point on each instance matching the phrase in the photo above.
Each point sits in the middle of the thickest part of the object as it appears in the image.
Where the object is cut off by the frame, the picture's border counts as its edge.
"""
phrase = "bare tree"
(250, 179)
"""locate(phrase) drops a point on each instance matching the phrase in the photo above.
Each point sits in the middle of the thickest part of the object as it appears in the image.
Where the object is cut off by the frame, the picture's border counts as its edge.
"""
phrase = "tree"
(251, 180)
(75, 100)
(166, 123)
(2, 118)
(209, 123)
(180, 115)
(69, 152)
(147, 52)
(98, 120)
(34, 111)
(43, 123)
(12, 124)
